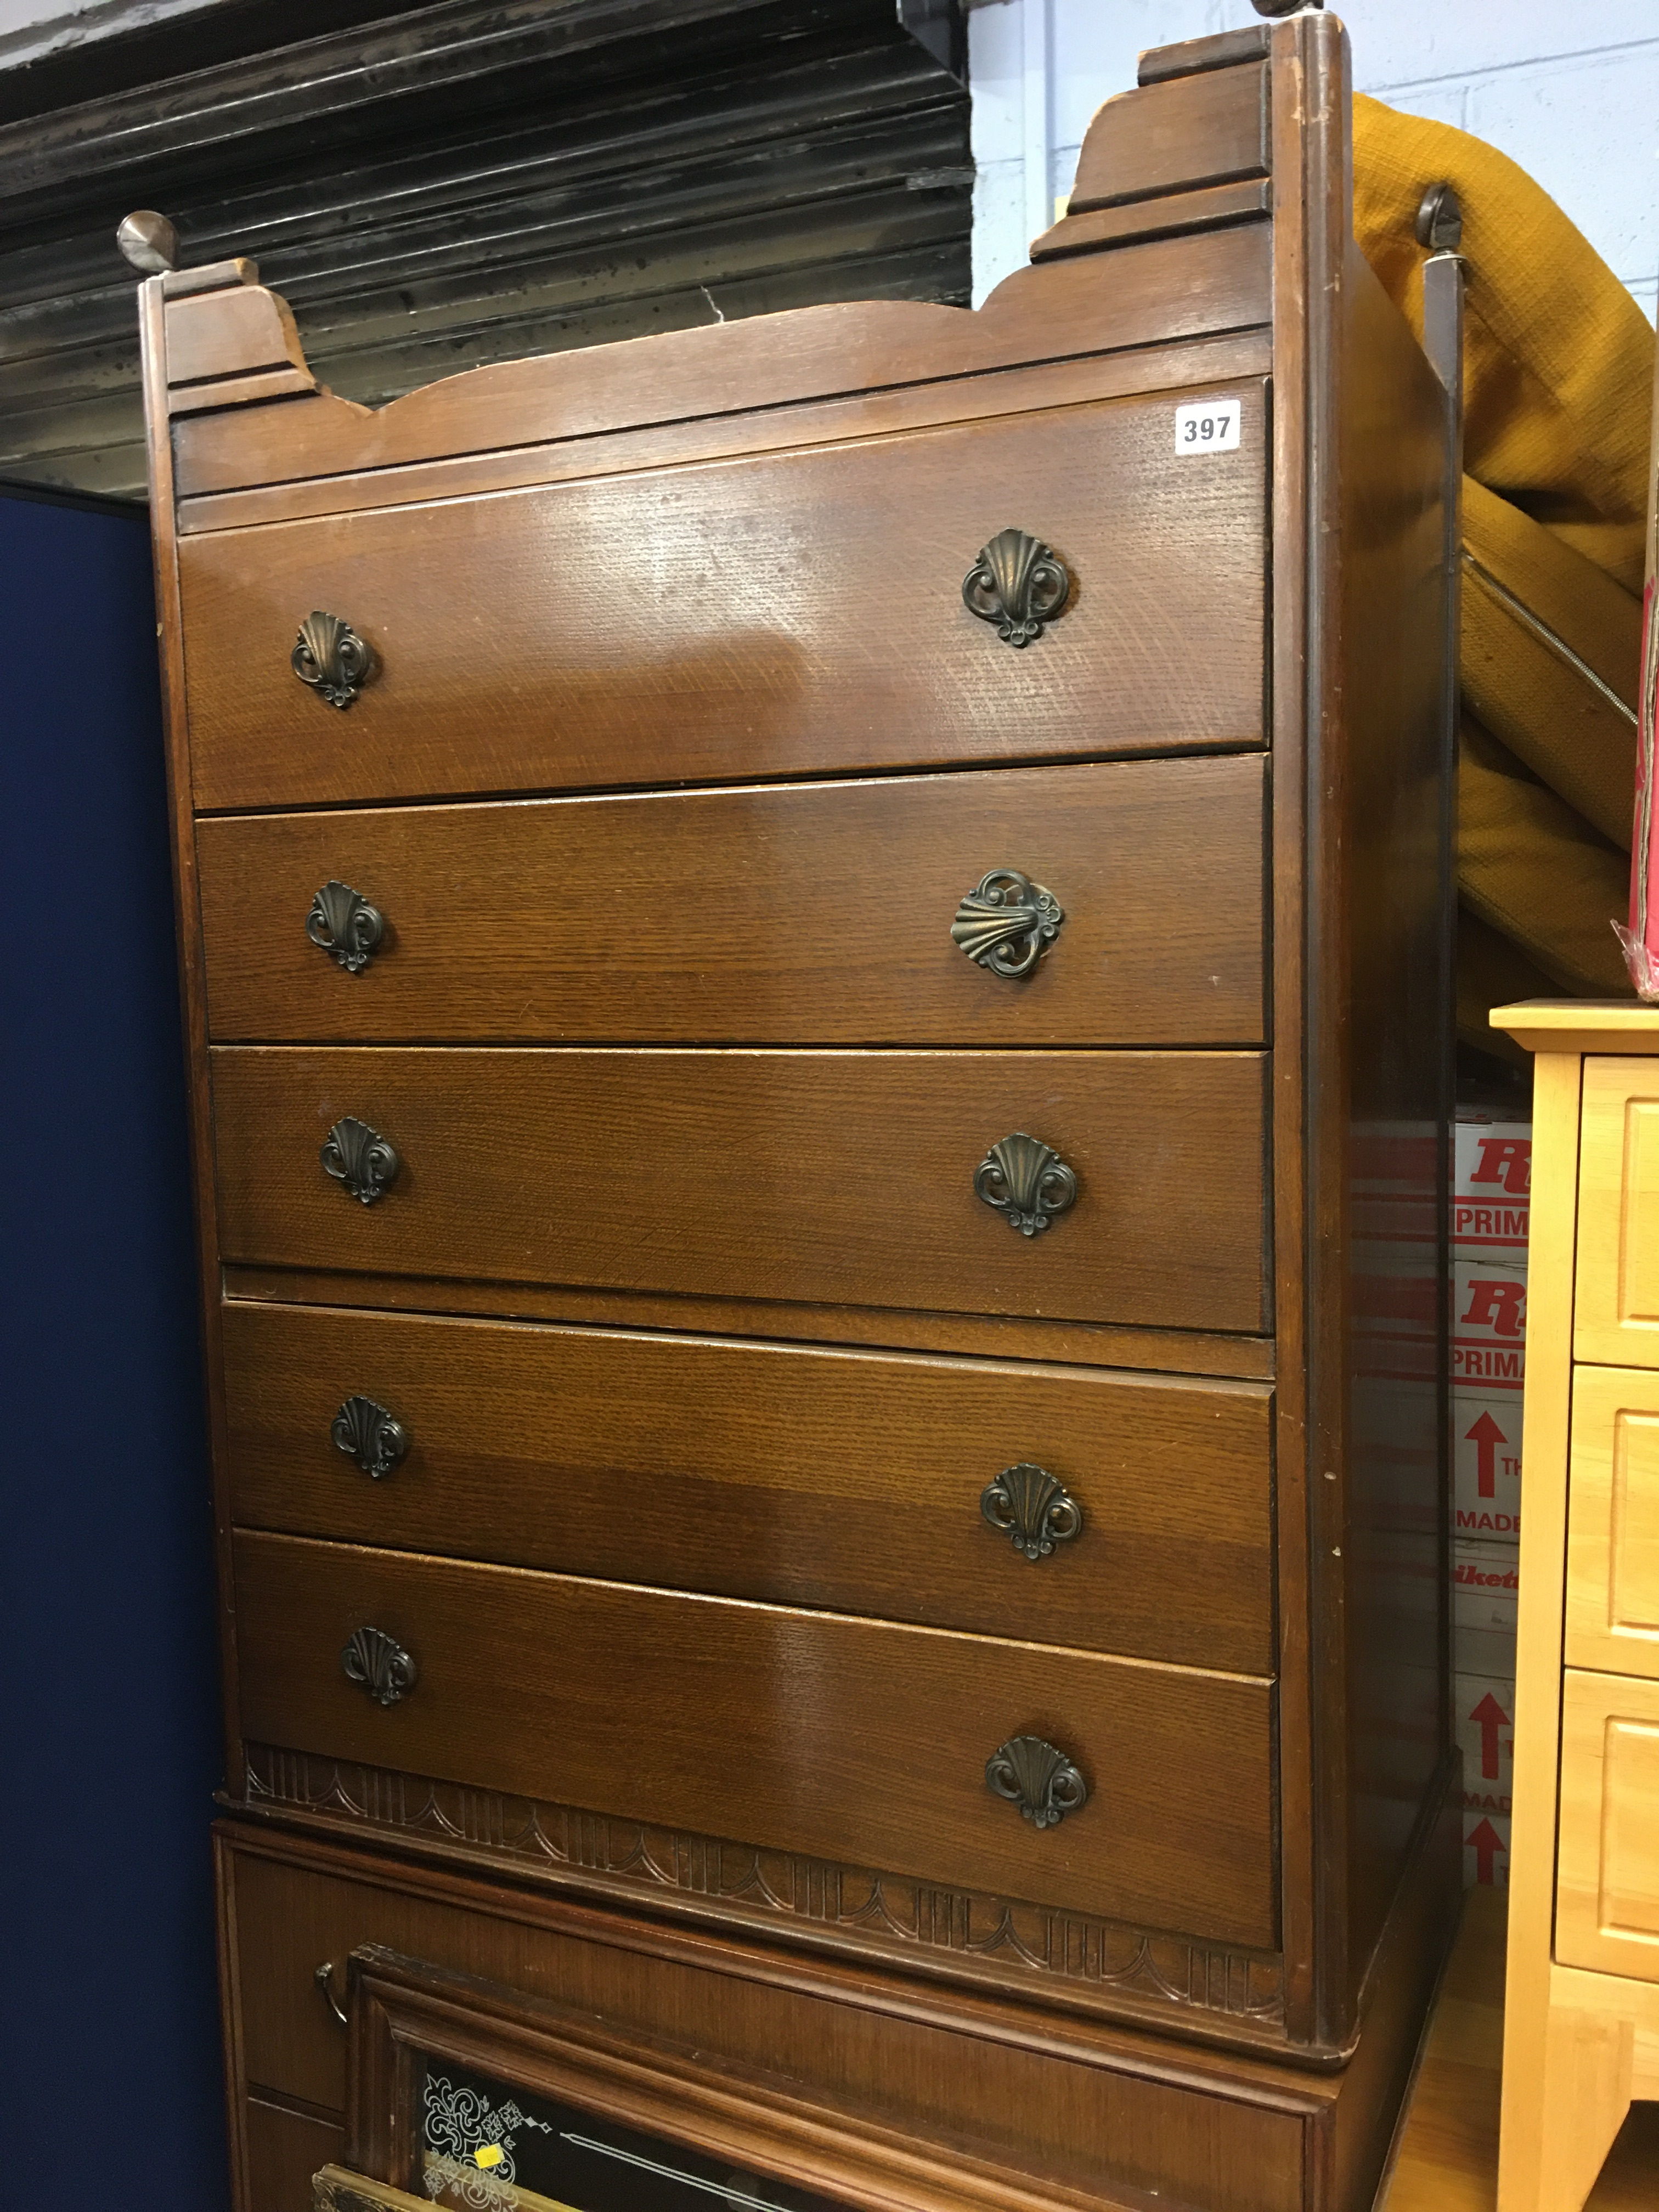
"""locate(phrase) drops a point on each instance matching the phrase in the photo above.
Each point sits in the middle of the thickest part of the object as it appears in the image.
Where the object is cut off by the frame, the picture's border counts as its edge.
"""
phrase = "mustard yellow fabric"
(1559, 374)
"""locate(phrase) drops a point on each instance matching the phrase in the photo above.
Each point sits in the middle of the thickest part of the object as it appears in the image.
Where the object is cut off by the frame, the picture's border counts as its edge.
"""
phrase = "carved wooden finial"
(149, 242)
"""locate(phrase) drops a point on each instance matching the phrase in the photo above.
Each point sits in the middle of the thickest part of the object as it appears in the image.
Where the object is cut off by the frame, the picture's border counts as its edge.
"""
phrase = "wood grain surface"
(785, 615)
(857, 1740)
(832, 1177)
(1172, 136)
(784, 915)
(843, 1480)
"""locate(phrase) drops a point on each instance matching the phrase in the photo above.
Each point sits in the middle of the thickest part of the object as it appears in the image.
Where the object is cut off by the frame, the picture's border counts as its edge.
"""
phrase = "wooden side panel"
(285, 2148)
(1607, 1874)
(1616, 1318)
(770, 915)
(856, 1739)
(843, 1178)
(1169, 137)
(1612, 1541)
(835, 1479)
(1103, 2112)
(789, 614)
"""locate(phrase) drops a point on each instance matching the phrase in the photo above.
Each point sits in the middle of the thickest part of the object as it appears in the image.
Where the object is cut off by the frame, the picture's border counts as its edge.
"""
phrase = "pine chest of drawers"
(815, 953)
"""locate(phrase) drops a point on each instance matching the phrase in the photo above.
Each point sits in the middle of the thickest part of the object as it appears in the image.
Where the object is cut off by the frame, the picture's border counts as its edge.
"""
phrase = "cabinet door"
(1616, 1316)
(1607, 1914)
(1612, 1521)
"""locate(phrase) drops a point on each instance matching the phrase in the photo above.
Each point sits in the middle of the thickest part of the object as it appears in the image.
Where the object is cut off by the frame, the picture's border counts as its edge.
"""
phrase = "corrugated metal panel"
(472, 182)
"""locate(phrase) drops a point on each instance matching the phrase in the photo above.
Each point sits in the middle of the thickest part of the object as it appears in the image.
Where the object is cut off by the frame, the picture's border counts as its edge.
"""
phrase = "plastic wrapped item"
(1641, 940)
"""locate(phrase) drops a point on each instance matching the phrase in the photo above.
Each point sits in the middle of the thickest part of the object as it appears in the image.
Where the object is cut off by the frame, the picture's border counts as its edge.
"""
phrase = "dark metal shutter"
(472, 182)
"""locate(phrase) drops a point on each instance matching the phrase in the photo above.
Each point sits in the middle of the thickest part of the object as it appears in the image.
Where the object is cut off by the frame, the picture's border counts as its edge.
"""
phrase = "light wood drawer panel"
(846, 1480)
(1612, 1521)
(785, 615)
(1606, 1911)
(770, 915)
(840, 1178)
(1616, 1304)
(859, 1742)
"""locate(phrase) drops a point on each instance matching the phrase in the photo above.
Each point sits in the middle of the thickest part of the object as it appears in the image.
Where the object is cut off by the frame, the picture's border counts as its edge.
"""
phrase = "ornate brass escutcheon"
(1026, 1180)
(1018, 584)
(329, 655)
(1042, 1781)
(342, 921)
(359, 1157)
(1006, 923)
(1032, 1507)
(379, 1665)
(366, 1433)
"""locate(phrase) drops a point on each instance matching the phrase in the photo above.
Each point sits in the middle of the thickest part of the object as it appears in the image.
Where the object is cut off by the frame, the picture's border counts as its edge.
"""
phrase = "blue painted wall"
(108, 1676)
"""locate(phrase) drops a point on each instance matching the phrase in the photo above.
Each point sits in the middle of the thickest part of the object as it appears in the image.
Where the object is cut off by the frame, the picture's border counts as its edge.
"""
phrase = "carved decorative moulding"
(1042, 1781)
(1006, 923)
(1017, 583)
(379, 1665)
(1032, 1507)
(329, 655)
(998, 1942)
(366, 1433)
(1027, 1182)
(343, 922)
(360, 1158)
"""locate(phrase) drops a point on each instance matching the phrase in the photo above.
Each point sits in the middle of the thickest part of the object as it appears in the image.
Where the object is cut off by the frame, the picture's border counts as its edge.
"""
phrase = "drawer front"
(1606, 1906)
(1616, 1302)
(842, 1178)
(780, 915)
(779, 615)
(861, 1741)
(853, 1481)
(1612, 1521)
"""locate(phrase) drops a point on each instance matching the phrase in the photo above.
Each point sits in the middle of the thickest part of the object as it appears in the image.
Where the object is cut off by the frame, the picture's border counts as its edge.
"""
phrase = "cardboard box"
(1485, 1445)
(1489, 1322)
(1483, 1710)
(1486, 1851)
(1492, 1187)
(1485, 1585)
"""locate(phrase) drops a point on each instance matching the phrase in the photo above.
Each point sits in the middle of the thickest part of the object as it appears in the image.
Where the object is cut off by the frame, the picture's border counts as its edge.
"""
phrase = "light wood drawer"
(847, 1480)
(859, 1742)
(1616, 1304)
(1608, 1865)
(1612, 1521)
(776, 915)
(786, 614)
(840, 1178)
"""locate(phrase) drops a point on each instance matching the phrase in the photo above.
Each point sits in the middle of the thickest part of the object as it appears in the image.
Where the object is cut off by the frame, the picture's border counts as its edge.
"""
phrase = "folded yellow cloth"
(1558, 379)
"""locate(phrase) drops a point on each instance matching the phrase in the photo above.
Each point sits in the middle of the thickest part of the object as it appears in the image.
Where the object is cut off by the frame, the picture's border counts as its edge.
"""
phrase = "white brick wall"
(1573, 96)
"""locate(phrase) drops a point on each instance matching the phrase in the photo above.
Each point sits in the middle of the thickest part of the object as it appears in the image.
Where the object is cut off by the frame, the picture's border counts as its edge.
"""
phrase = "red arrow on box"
(1485, 1436)
(1486, 1842)
(1492, 1717)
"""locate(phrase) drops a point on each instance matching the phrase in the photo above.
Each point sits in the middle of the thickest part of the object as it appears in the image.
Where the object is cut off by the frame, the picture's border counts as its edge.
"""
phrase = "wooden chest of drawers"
(1581, 2033)
(815, 952)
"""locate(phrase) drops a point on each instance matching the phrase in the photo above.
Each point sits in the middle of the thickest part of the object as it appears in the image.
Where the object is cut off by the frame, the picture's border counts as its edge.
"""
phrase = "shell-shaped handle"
(367, 1433)
(379, 1665)
(1027, 1182)
(360, 1158)
(1018, 583)
(343, 923)
(330, 657)
(1030, 1773)
(1006, 923)
(1032, 1507)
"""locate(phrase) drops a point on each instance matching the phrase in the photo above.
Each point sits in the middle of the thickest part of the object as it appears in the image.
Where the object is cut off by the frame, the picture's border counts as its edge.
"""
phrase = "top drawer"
(779, 615)
(1616, 1304)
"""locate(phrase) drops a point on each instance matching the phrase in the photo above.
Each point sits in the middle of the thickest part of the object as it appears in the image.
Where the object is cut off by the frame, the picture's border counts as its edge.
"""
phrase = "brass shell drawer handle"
(360, 1158)
(1018, 583)
(367, 1434)
(330, 657)
(1005, 924)
(1032, 1507)
(1042, 1781)
(379, 1665)
(343, 923)
(1027, 1182)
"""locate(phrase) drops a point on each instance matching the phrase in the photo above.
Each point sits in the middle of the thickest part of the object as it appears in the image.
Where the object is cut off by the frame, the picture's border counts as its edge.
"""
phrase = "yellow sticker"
(491, 2155)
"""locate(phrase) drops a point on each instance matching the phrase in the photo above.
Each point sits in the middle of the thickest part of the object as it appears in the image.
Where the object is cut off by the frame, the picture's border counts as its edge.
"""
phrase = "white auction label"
(1209, 426)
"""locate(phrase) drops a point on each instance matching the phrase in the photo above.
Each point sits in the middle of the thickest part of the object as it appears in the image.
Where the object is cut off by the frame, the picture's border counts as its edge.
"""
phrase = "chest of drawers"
(1582, 2029)
(815, 956)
